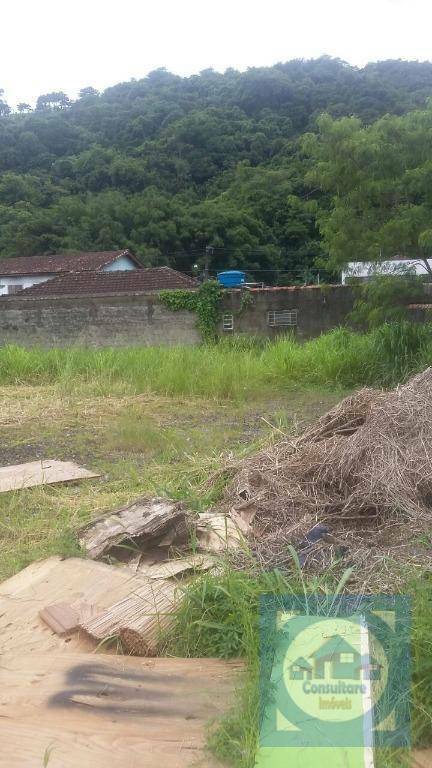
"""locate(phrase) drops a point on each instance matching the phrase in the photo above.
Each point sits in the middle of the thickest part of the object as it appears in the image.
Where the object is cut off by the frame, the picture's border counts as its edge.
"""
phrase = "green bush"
(385, 298)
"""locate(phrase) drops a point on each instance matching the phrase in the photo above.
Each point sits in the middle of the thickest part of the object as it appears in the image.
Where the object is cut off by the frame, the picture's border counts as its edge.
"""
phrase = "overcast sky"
(57, 45)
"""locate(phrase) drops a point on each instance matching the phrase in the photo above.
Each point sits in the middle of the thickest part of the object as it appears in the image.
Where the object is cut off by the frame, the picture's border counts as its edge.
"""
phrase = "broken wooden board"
(138, 619)
(216, 533)
(421, 758)
(147, 519)
(51, 581)
(105, 711)
(65, 618)
(45, 472)
(178, 566)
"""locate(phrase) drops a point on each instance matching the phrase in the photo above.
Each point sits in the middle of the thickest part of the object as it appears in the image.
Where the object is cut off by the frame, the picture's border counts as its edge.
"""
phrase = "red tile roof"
(62, 262)
(292, 288)
(132, 281)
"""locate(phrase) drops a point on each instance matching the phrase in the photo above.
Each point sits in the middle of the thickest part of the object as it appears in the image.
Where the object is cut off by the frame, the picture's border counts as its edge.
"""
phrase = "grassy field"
(235, 369)
(159, 421)
(140, 443)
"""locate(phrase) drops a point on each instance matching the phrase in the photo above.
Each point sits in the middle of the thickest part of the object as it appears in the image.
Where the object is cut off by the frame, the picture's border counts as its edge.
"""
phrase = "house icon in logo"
(339, 657)
(301, 669)
(335, 659)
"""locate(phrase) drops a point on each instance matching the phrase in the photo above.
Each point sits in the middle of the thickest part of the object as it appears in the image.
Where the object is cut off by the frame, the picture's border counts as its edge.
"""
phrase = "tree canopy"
(380, 181)
(243, 162)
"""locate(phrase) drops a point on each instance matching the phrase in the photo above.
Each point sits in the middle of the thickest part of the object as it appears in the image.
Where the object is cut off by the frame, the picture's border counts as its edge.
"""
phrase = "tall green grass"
(235, 369)
(219, 616)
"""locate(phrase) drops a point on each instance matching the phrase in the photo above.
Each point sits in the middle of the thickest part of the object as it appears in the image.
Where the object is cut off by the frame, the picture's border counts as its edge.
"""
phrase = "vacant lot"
(160, 422)
(142, 444)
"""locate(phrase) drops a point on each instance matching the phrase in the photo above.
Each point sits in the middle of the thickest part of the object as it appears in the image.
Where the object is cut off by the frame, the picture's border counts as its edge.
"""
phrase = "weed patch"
(235, 370)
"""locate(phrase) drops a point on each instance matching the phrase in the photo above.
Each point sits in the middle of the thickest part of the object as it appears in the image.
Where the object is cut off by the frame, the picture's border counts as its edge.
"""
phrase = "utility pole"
(208, 254)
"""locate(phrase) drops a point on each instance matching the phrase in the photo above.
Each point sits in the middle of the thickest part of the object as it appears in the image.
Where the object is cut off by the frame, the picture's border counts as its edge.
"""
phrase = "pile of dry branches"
(363, 473)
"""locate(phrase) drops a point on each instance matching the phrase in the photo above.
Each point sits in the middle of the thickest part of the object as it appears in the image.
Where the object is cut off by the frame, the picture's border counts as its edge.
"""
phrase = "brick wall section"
(319, 309)
(96, 321)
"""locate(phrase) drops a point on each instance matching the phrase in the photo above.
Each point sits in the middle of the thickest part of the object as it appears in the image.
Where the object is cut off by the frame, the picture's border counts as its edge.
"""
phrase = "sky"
(52, 45)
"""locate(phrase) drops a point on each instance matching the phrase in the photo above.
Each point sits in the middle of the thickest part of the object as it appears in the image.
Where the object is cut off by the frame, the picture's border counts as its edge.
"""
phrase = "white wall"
(368, 268)
(122, 263)
(25, 280)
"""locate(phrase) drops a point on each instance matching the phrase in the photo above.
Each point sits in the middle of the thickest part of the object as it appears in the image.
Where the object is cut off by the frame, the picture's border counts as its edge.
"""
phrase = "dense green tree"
(55, 100)
(379, 178)
(4, 106)
(23, 108)
(385, 298)
(168, 165)
(88, 92)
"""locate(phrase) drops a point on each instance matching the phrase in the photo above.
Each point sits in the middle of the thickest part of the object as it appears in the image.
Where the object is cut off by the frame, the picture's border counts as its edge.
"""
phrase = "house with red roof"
(25, 271)
(115, 283)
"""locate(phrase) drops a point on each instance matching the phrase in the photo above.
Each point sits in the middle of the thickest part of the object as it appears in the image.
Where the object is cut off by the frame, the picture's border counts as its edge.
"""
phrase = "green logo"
(335, 672)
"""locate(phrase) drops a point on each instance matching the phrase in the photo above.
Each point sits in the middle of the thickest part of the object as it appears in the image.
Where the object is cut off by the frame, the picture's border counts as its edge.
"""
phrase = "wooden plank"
(55, 580)
(65, 618)
(177, 566)
(45, 472)
(146, 518)
(421, 758)
(138, 619)
(106, 711)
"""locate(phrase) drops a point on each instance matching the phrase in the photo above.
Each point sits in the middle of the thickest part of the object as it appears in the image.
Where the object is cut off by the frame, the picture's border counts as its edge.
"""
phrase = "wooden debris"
(242, 521)
(45, 472)
(148, 519)
(246, 511)
(56, 580)
(138, 619)
(216, 533)
(421, 758)
(99, 710)
(176, 566)
(65, 618)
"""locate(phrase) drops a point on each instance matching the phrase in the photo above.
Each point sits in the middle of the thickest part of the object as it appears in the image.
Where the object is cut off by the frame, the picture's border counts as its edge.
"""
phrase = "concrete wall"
(93, 321)
(319, 309)
(139, 319)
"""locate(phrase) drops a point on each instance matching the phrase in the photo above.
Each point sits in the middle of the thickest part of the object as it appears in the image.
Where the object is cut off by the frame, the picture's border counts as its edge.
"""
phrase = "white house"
(25, 271)
(363, 270)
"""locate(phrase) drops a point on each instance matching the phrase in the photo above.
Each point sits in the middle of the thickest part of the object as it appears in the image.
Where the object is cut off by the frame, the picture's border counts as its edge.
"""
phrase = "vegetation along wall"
(306, 311)
(144, 320)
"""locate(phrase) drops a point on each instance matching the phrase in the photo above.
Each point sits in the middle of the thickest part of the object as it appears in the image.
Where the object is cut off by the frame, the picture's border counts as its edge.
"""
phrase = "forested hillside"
(168, 165)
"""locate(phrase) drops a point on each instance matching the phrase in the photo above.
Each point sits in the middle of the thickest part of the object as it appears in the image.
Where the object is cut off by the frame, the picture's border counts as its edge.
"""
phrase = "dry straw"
(364, 471)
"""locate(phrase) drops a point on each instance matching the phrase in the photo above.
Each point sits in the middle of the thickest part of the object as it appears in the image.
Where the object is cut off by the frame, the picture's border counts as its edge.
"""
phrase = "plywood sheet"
(53, 581)
(45, 472)
(422, 758)
(102, 711)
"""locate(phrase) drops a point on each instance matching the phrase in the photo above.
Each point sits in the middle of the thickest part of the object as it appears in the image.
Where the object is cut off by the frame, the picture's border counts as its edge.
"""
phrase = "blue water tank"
(232, 278)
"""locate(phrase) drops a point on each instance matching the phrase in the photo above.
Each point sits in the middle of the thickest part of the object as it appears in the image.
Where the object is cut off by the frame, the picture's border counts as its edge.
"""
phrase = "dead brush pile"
(361, 478)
